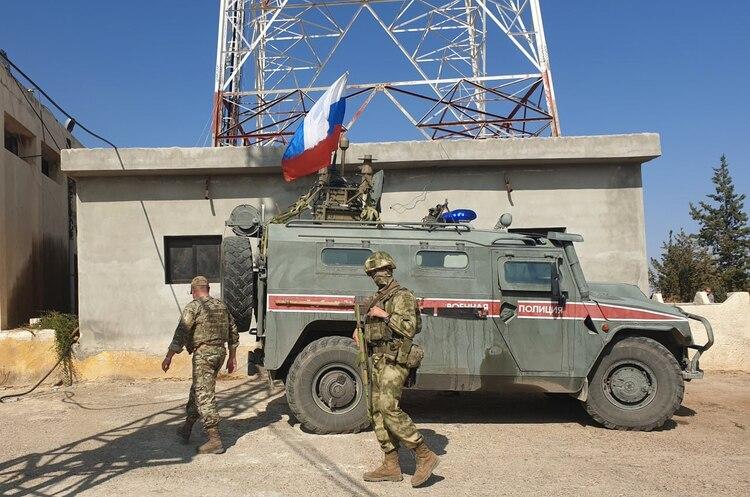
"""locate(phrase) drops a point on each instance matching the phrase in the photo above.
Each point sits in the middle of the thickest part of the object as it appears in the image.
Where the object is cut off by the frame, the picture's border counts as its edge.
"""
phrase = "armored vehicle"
(501, 309)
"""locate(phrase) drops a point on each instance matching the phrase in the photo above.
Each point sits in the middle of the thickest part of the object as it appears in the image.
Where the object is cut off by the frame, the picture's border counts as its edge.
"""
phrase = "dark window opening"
(442, 259)
(189, 256)
(51, 163)
(46, 167)
(345, 256)
(18, 140)
(529, 273)
(12, 143)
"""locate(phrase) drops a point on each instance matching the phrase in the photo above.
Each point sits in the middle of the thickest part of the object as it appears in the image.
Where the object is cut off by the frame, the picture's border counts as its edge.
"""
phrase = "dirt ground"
(117, 438)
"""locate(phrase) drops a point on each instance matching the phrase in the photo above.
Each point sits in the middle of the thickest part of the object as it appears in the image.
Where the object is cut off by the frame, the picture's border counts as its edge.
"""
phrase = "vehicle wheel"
(238, 279)
(636, 386)
(324, 388)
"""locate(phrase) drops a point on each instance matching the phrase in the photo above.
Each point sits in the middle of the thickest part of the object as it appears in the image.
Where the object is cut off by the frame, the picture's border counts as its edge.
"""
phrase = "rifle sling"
(380, 297)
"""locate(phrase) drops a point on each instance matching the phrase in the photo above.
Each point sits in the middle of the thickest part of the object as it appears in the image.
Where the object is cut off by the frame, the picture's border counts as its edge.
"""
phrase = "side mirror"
(555, 281)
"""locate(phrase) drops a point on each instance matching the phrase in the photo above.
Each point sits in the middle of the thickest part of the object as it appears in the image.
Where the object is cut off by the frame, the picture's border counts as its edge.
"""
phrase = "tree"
(684, 268)
(724, 231)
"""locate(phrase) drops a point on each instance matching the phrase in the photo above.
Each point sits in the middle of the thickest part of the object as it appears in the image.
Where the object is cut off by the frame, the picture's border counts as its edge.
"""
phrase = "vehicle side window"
(537, 274)
(444, 259)
(345, 256)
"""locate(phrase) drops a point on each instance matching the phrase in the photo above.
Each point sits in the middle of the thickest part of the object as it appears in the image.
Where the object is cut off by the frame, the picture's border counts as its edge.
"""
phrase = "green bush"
(66, 334)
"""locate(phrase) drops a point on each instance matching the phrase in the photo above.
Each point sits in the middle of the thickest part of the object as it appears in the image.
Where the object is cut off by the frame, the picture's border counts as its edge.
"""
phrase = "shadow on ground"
(144, 442)
(150, 441)
(494, 408)
(503, 408)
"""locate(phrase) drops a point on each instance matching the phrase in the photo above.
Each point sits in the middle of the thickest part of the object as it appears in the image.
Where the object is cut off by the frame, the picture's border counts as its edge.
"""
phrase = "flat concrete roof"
(573, 150)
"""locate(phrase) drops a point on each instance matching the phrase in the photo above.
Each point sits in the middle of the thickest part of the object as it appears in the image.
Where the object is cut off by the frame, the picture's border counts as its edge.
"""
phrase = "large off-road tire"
(324, 388)
(637, 386)
(238, 279)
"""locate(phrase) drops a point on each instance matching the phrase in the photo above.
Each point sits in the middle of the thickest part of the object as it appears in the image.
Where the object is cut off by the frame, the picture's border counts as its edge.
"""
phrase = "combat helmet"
(379, 260)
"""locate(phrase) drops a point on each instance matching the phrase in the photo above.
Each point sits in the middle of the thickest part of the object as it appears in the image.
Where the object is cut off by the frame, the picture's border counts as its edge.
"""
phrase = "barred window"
(188, 256)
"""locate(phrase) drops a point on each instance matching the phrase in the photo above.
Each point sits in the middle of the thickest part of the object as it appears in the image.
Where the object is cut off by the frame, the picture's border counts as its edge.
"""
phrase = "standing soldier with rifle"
(392, 320)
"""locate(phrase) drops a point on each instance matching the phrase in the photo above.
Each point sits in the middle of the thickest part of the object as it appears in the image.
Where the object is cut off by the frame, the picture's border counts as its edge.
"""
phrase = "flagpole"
(343, 144)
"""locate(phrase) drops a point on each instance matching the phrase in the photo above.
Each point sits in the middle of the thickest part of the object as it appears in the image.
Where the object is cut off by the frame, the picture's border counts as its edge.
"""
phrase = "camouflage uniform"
(389, 342)
(204, 327)
(391, 424)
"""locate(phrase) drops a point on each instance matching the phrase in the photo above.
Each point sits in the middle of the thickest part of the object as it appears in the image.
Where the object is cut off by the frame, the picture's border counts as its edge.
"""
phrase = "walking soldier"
(392, 320)
(204, 327)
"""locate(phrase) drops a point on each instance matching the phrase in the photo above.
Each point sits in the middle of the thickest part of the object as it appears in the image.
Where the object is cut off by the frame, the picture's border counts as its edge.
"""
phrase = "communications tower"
(481, 66)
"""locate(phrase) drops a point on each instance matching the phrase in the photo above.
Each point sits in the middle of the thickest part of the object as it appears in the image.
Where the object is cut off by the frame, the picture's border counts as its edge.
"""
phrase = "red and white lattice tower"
(271, 53)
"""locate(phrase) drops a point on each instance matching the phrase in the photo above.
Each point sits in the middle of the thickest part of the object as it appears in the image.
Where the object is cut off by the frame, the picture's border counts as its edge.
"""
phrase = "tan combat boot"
(427, 461)
(184, 430)
(390, 470)
(213, 445)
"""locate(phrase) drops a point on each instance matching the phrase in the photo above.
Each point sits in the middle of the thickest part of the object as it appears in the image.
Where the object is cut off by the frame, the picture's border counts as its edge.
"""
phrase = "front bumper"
(693, 370)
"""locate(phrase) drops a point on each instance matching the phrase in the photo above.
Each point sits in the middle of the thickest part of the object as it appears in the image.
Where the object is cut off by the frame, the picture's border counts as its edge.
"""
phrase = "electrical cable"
(55, 104)
(203, 133)
(39, 115)
(421, 196)
(76, 335)
(412, 204)
(4, 56)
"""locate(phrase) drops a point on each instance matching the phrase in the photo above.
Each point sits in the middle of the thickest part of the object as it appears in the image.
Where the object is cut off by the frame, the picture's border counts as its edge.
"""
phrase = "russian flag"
(318, 136)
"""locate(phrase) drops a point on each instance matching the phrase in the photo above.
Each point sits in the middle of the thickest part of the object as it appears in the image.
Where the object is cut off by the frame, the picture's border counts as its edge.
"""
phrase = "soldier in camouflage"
(204, 327)
(392, 321)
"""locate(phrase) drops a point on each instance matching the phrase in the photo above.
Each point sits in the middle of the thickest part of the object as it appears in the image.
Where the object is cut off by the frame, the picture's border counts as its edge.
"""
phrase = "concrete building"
(148, 218)
(36, 252)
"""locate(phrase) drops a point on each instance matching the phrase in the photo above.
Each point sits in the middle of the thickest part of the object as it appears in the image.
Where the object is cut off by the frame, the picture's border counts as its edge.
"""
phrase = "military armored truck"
(501, 309)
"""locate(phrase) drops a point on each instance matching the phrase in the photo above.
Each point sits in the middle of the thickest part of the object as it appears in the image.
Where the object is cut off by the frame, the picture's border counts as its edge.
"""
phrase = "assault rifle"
(363, 359)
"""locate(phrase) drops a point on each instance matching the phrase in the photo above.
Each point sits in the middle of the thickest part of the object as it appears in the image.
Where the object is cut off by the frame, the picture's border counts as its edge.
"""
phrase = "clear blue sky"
(141, 73)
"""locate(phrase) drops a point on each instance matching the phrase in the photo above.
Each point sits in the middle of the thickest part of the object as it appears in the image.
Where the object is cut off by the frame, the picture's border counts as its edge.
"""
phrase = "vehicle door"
(452, 301)
(531, 319)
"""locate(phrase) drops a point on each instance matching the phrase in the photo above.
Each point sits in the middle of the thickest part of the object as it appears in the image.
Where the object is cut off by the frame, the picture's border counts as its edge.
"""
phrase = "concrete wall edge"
(631, 149)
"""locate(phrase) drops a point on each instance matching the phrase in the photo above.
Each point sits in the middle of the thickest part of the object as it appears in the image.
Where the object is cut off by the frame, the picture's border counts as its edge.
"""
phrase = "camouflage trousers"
(207, 361)
(391, 425)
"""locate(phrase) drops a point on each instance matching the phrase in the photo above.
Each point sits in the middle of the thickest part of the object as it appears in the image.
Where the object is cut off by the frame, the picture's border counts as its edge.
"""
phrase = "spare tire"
(238, 279)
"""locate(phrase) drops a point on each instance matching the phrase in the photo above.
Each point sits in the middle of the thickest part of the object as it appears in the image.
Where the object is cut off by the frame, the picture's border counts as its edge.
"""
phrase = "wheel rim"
(629, 384)
(337, 388)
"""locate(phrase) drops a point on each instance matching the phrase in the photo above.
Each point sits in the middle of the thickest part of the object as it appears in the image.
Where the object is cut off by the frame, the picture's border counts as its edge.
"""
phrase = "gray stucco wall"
(126, 206)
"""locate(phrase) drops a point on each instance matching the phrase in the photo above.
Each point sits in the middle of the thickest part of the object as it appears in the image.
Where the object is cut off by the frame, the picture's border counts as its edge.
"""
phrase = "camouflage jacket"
(204, 320)
(405, 320)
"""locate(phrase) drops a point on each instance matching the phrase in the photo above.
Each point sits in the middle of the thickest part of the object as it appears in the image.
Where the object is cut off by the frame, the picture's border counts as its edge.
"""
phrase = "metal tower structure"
(271, 53)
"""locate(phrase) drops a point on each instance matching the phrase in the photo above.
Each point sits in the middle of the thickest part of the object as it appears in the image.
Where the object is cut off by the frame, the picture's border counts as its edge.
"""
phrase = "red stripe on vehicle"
(311, 303)
(544, 309)
(527, 309)
(491, 306)
(620, 313)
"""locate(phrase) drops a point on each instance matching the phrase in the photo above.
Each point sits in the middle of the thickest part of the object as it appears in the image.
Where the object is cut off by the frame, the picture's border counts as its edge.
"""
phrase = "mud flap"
(583, 395)
(254, 359)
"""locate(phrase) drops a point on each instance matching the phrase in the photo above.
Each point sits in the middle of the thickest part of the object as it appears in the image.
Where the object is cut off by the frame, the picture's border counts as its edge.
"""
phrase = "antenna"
(481, 67)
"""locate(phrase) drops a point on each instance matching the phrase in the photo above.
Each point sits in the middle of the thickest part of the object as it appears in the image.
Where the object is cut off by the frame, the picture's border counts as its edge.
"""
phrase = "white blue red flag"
(318, 136)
